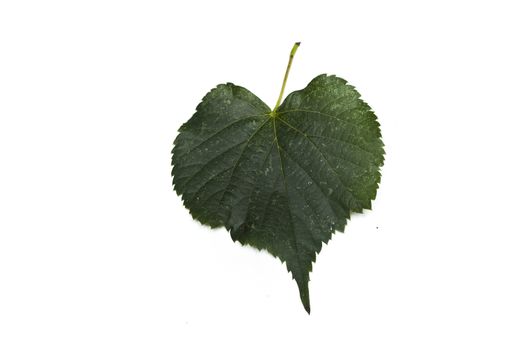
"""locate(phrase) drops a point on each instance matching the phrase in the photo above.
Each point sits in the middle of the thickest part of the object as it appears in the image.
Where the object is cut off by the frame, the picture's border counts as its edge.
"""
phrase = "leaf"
(282, 180)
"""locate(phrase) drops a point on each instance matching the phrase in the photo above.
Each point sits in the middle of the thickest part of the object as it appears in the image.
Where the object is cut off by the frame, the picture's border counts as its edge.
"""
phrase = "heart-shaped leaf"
(282, 180)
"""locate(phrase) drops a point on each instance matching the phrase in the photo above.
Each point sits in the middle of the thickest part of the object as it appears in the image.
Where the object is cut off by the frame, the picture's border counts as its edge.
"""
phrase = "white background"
(98, 252)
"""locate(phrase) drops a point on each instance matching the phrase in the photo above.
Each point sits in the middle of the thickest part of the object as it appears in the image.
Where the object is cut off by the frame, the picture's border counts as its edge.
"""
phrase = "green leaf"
(281, 180)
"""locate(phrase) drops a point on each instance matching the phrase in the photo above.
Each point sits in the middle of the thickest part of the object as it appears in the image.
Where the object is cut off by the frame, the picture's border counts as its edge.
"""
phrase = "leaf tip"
(307, 306)
(304, 295)
(308, 309)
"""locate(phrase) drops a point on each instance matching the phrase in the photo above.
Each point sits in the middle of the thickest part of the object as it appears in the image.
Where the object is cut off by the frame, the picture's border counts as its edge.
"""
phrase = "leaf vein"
(225, 128)
(239, 158)
(327, 115)
(319, 151)
(211, 160)
(287, 192)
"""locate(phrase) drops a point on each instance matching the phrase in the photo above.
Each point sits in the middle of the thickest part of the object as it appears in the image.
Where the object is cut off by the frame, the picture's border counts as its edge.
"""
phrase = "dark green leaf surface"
(282, 181)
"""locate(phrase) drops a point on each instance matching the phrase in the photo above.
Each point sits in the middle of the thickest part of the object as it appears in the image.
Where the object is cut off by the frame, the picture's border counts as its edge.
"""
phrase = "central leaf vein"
(282, 168)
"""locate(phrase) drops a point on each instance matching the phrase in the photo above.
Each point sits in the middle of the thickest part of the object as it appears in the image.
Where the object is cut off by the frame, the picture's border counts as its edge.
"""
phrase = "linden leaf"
(282, 180)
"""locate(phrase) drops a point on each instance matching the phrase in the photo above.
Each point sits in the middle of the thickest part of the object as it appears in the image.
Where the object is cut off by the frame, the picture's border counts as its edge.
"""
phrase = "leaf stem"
(291, 55)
